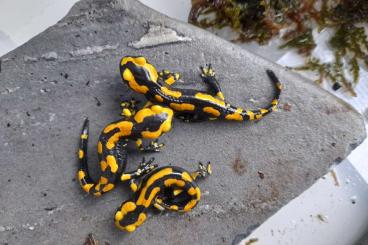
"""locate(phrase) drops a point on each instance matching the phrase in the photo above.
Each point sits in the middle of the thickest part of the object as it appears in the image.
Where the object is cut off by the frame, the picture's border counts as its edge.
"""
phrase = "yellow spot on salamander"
(123, 126)
(142, 114)
(138, 143)
(87, 187)
(158, 206)
(236, 115)
(111, 161)
(263, 111)
(186, 176)
(81, 154)
(209, 169)
(125, 177)
(177, 192)
(127, 112)
(151, 196)
(259, 116)
(102, 181)
(209, 98)
(211, 111)
(174, 207)
(103, 165)
(250, 115)
(99, 147)
(170, 182)
(220, 95)
(133, 187)
(159, 98)
(84, 136)
(108, 187)
(192, 191)
(141, 218)
(141, 61)
(198, 193)
(97, 194)
(128, 76)
(81, 174)
(182, 106)
(130, 228)
(168, 92)
(274, 102)
(82, 182)
(170, 80)
(190, 205)
(118, 215)
(128, 207)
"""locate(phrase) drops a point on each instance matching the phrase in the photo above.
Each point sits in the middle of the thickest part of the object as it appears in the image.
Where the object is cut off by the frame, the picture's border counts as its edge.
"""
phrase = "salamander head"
(138, 74)
(155, 120)
(130, 216)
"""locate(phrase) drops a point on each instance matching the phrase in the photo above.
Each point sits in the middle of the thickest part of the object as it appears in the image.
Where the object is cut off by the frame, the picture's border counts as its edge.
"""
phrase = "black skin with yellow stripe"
(165, 188)
(148, 123)
(189, 105)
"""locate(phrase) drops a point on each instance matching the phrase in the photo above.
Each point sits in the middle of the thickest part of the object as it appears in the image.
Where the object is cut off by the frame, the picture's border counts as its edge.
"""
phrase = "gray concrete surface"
(258, 167)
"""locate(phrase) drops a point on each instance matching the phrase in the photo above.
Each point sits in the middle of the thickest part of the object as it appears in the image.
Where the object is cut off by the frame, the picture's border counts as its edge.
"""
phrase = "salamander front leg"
(202, 171)
(168, 77)
(208, 77)
(129, 107)
(144, 168)
(154, 146)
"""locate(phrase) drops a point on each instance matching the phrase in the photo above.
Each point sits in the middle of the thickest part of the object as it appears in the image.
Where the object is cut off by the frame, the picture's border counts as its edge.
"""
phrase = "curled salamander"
(189, 104)
(148, 123)
(165, 188)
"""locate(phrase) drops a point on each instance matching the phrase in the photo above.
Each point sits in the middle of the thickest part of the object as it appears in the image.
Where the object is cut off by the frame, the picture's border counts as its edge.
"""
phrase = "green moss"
(261, 20)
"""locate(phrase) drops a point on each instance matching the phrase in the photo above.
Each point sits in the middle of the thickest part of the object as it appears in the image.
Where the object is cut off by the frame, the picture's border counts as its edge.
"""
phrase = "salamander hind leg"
(208, 76)
(202, 171)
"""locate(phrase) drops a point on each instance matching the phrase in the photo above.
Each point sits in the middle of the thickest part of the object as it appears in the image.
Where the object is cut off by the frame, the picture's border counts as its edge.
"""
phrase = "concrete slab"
(258, 167)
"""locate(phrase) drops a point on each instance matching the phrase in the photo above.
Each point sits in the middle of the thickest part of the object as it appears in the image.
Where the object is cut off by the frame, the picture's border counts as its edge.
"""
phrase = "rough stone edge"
(157, 35)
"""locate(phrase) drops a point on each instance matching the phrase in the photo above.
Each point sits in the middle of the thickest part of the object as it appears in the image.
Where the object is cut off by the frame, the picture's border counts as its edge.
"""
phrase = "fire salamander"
(165, 188)
(148, 123)
(189, 105)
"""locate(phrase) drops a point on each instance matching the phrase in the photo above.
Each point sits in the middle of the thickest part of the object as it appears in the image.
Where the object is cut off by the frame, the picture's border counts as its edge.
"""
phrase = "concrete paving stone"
(70, 71)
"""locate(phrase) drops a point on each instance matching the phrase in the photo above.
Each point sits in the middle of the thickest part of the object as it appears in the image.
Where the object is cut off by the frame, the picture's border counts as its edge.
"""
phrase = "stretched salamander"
(189, 104)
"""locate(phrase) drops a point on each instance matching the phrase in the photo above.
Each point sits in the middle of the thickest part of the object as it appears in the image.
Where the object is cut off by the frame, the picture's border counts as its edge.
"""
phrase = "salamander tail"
(251, 115)
(83, 176)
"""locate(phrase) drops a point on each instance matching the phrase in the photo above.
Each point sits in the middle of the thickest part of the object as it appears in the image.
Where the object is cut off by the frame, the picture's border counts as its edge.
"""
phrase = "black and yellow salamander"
(188, 104)
(148, 123)
(165, 188)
